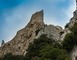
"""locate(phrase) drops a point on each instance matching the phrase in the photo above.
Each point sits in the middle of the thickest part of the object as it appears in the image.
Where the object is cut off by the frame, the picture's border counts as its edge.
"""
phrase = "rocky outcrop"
(35, 28)
(19, 44)
(73, 20)
(71, 23)
(73, 53)
(53, 31)
(3, 42)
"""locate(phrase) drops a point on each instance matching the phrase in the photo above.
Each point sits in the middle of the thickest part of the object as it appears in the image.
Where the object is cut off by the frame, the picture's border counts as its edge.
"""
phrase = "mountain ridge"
(35, 28)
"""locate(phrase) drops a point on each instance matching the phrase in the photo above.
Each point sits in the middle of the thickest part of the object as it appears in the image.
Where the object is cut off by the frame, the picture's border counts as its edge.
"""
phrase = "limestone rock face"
(73, 53)
(35, 28)
(19, 44)
(73, 20)
(2, 43)
(71, 23)
(53, 31)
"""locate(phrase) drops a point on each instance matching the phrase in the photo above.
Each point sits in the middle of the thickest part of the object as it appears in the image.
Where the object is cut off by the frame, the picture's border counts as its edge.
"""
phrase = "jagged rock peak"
(19, 44)
(37, 17)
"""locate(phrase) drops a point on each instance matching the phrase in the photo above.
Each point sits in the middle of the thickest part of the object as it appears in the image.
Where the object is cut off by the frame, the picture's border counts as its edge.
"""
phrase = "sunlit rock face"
(53, 31)
(19, 44)
(35, 28)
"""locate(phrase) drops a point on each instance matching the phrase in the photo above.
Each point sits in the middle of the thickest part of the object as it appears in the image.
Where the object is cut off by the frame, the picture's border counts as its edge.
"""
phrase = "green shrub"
(51, 53)
(45, 48)
(70, 39)
(74, 29)
(68, 42)
(67, 25)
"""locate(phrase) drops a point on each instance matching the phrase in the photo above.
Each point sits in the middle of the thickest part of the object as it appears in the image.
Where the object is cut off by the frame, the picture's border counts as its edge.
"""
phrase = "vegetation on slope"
(43, 48)
(70, 39)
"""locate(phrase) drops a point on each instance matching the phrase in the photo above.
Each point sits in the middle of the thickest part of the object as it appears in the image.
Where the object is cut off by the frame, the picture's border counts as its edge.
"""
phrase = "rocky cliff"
(73, 20)
(19, 44)
(35, 28)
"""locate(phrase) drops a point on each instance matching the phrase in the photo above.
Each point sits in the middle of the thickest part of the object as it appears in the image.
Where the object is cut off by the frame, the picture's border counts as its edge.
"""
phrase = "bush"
(37, 45)
(67, 25)
(45, 48)
(70, 39)
(51, 53)
(68, 42)
(74, 29)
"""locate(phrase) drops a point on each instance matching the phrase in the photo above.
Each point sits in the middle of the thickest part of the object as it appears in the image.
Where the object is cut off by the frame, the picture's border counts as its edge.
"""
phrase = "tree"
(37, 45)
(45, 48)
(51, 53)
(70, 39)
(68, 42)
(74, 29)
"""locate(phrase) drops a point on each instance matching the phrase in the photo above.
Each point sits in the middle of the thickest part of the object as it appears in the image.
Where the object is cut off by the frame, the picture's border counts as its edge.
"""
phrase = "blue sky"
(15, 14)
